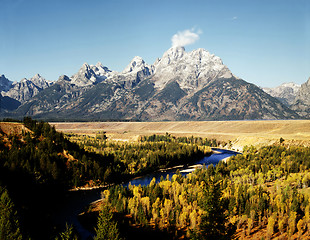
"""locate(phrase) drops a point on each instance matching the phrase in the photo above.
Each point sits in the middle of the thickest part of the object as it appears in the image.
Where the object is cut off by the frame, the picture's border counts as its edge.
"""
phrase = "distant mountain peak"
(5, 84)
(40, 81)
(101, 71)
(135, 65)
(37, 75)
(197, 68)
(25, 89)
(84, 77)
(302, 100)
(171, 55)
(99, 65)
(180, 85)
(63, 78)
(286, 92)
(85, 65)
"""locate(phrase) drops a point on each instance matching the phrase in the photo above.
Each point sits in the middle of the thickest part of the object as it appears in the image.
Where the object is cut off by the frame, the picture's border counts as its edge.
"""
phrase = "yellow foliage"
(146, 204)
(105, 195)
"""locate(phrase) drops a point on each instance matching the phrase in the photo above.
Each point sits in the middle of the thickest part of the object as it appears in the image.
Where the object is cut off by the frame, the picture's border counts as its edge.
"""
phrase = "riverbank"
(90, 188)
(89, 217)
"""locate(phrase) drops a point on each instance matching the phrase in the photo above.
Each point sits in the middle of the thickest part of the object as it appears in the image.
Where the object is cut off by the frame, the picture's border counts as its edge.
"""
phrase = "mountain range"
(180, 85)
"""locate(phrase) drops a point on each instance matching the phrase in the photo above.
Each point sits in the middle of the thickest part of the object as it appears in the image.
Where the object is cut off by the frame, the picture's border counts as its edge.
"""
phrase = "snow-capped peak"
(91, 74)
(40, 81)
(193, 69)
(286, 92)
(136, 64)
(84, 77)
(99, 65)
(63, 78)
(171, 55)
(100, 70)
(85, 67)
(292, 85)
(285, 87)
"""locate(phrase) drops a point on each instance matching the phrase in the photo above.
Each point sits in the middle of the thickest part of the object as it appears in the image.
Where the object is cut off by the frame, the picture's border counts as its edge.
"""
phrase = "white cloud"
(185, 37)
(234, 18)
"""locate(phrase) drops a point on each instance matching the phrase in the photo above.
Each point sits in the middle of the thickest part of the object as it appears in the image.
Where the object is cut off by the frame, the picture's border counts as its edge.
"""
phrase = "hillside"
(11, 128)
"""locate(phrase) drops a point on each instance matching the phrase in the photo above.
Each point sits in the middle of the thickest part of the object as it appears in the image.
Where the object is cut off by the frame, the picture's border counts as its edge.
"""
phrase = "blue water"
(214, 159)
(80, 200)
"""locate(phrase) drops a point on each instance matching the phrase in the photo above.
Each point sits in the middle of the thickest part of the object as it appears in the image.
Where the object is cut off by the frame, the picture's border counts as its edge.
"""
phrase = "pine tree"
(212, 224)
(9, 225)
(106, 227)
(68, 234)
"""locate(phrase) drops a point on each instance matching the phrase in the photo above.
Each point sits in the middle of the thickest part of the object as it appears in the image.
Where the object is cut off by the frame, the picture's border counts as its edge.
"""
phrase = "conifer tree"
(212, 224)
(67, 234)
(9, 225)
(106, 227)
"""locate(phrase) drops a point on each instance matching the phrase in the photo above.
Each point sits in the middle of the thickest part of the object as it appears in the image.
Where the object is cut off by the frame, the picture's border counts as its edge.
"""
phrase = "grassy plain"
(240, 133)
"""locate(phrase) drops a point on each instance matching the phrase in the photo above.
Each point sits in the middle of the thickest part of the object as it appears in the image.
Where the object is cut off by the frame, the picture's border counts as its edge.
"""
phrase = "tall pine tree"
(9, 225)
(213, 221)
(106, 226)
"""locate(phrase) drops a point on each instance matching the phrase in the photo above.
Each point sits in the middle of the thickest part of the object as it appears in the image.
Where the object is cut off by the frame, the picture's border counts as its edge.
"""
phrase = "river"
(78, 201)
(218, 155)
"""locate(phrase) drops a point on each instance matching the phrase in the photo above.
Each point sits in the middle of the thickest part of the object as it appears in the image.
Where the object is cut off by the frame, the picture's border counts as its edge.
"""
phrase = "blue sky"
(263, 42)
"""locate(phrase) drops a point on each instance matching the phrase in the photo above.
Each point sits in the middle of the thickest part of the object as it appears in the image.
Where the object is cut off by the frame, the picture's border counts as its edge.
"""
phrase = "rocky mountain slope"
(181, 85)
(8, 104)
(302, 101)
(5, 84)
(286, 92)
(26, 89)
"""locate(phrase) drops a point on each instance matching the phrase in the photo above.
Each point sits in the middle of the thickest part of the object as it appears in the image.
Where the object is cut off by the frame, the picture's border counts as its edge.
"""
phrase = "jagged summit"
(84, 77)
(5, 84)
(40, 81)
(27, 88)
(171, 55)
(63, 78)
(37, 75)
(286, 92)
(304, 92)
(180, 85)
(197, 68)
(101, 71)
(99, 65)
(137, 64)
(91, 74)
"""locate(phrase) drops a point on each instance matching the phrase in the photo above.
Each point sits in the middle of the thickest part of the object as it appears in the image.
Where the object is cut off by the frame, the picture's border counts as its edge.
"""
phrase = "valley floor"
(240, 133)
